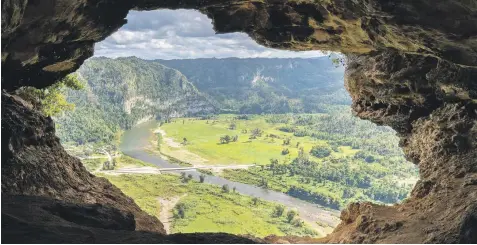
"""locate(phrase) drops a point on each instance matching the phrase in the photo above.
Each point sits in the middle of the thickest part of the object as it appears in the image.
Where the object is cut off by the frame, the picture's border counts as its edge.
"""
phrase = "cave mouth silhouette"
(433, 111)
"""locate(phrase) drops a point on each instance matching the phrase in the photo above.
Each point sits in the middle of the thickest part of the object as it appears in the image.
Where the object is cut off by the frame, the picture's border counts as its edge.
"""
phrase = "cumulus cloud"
(182, 34)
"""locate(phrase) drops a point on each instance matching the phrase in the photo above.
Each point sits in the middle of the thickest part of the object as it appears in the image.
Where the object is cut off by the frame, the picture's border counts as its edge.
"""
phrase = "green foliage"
(332, 181)
(353, 160)
(279, 210)
(202, 178)
(320, 151)
(226, 188)
(285, 151)
(286, 141)
(369, 158)
(254, 86)
(205, 207)
(291, 214)
(180, 210)
(255, 201)
(256, 132)
(124, 94)
(225, 139)
(51, 101)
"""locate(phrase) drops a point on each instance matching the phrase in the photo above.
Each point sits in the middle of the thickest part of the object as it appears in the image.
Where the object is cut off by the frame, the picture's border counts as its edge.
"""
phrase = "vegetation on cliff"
(122, 92)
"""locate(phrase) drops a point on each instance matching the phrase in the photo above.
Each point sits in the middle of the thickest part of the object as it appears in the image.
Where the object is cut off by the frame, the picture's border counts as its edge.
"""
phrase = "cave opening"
(167, 106)
(410, 66)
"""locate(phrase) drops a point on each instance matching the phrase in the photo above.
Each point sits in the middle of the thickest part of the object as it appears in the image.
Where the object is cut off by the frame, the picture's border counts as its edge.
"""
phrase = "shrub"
(365, 156)
(255, 200)
(298, 222)
(257, 132)
(287, 129)
(285, 151)
(320, 151)
(291, 215)
(279, 210)
(180, 207)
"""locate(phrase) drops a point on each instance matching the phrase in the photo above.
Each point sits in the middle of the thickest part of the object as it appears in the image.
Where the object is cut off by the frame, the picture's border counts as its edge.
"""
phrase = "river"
(134, 142)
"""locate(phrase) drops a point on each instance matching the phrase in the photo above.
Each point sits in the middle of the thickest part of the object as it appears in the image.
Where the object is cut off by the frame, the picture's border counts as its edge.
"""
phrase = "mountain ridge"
(121, 92)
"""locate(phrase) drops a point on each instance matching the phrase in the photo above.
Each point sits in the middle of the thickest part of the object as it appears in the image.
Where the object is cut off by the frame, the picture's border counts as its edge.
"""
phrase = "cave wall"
(430, 102)
(412, 65)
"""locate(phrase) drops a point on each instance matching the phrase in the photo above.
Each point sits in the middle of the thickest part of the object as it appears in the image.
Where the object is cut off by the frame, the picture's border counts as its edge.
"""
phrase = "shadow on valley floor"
(30, 219)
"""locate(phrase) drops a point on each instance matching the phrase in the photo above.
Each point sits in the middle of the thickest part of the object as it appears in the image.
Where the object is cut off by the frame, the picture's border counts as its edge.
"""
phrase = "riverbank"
(136, 140)
(208, 208)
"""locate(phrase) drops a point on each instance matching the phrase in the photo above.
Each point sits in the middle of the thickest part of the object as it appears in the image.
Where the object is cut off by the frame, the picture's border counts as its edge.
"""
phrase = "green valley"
(309, 156)
(266, 134)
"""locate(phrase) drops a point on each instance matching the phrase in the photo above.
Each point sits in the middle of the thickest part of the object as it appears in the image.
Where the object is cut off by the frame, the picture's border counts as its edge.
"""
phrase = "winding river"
(134, 142)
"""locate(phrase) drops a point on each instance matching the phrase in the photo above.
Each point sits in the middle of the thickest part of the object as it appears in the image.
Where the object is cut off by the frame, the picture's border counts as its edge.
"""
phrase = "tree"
(257, 132)
(279, 210)
(365, 156)
(181, 208)
(51, 100)
(297, 222)
(185, 178)
(228, 139)
(255, 201)
(106, 165)
(302, 156)
(202, 178)
(273, 162)
(263, 183)
(225, 188)
(286, 141)
(232, 126)
(234, 189)
(225, 139)
(285, 151)
(184, 141)
(320, 151)
(189, 176)
(291, 215)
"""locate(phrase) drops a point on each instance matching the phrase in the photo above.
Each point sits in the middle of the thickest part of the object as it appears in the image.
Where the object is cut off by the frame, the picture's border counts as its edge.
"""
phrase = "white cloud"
(182, 34)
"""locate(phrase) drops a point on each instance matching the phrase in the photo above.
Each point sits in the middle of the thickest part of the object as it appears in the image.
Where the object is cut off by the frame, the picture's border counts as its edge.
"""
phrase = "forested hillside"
(265, 85)
(119, 93)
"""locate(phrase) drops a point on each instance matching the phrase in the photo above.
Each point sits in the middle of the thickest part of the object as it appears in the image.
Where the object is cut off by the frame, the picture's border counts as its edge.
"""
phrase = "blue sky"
(182, 34)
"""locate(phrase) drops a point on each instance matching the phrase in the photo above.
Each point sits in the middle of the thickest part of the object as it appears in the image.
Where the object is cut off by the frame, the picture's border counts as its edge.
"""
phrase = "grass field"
(207, 207)
(203, 141)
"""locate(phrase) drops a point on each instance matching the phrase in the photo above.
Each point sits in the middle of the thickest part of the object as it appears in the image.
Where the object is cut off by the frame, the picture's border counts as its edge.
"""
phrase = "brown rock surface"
(34, 163)
(411, 65)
